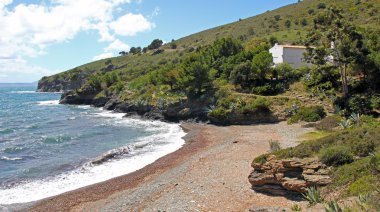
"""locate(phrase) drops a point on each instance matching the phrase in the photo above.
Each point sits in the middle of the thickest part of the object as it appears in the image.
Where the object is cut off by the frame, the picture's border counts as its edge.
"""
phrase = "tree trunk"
(345, 83)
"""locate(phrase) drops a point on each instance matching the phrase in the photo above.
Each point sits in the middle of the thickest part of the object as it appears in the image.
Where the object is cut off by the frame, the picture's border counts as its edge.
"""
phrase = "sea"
(47, 149)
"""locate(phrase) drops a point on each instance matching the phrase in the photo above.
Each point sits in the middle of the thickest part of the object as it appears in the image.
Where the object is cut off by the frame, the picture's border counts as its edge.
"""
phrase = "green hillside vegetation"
(215, 73)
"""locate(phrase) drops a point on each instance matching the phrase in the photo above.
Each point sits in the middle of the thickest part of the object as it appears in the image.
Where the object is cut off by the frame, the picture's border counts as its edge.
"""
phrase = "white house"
(293, 55)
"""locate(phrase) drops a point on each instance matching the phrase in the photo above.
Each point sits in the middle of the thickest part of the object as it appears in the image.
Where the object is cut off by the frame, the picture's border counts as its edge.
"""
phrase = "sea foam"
(143, 152)
(47, 103)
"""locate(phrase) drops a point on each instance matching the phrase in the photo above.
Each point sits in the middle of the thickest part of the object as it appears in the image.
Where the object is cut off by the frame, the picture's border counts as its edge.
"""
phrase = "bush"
(375, 102)
(308, 114)
(336, 155)
(321, 6)
(274, 145)
(364, 184)
(359, 104)
(219, 113)
(268, 89)
(363, 147)
(328, 123)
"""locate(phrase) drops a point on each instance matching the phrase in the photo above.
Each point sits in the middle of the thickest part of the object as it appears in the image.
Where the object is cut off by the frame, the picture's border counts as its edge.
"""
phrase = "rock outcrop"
(279, 176)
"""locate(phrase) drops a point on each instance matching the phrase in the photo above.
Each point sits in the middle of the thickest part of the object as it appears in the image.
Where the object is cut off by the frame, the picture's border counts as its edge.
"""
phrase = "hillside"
(362, 13)
(225, 75)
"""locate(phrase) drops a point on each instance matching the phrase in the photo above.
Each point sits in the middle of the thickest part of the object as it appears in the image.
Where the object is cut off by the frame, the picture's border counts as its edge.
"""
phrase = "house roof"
(294, 47)
(290, 46)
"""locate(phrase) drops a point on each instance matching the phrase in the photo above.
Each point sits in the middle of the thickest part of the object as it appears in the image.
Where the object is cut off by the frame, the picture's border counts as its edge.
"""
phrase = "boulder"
(288, 175)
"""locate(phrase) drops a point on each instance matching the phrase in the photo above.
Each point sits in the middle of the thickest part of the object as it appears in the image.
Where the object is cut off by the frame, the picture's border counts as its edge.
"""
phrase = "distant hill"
(289, 24)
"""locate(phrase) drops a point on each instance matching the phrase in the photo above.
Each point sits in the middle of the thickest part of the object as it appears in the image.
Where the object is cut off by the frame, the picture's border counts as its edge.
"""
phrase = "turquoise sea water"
(47, 148)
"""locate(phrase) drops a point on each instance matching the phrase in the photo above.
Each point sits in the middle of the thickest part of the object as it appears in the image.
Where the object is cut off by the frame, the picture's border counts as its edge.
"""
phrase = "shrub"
(375, 102)
(364, 184)
(359, 104)
(336, 155)
(308, 114)
(268, 89)
(321, 6)
(261, 159)
(313, 196)
(363, 147)
(220, 113)
(328, 123)
(296, 207)
(274, 146)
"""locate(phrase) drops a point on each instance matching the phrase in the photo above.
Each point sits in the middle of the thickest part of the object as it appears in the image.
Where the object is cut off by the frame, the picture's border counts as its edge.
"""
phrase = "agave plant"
(333, 206)
(209, 108)
(345, 123)
(313, 196)
(363, 200)
(355, 117)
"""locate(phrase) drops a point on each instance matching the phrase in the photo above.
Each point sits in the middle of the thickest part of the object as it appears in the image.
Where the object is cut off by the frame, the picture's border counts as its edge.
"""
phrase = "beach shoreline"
(181, 173)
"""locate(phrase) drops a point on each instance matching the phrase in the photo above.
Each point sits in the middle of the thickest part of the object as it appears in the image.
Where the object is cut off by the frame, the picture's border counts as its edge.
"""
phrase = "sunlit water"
(47, 149)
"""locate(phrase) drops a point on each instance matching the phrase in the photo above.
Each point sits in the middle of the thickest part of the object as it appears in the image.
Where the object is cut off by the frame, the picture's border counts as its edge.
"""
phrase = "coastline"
(70, 199)
(211, 170)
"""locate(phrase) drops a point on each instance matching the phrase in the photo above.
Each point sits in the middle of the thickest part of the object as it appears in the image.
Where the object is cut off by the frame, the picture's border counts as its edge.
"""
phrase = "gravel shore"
(209, 173)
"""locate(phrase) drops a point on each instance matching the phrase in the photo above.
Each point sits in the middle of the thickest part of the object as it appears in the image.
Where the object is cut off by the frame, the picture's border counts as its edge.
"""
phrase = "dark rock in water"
(73, 98)
(100, 102)
(278, 176)
(112, 103)
(111, 155)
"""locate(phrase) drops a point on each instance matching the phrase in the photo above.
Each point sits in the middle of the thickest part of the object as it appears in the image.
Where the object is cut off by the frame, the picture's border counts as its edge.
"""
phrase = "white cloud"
(117, 45)
(18, 70)
(103, 56)
(27, 29)
(130, 24)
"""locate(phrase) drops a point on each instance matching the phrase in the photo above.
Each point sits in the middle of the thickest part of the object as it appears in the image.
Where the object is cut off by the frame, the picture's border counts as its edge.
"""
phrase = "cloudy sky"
(43, 37)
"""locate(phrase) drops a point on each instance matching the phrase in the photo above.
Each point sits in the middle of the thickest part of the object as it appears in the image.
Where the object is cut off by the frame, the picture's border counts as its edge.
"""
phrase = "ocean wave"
(48, 103)
(112, 154)
(22, 92)
(144, 152)
(117, 119)
(9, 159)
(37, 92)
(56, 139)
(6, 131)
(13, 150)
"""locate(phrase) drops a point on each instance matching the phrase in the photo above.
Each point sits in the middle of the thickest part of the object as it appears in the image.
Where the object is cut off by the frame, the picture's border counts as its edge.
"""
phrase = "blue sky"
(43, 37)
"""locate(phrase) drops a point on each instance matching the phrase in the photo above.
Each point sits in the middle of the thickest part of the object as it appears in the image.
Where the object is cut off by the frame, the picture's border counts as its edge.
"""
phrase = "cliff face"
(60, 84)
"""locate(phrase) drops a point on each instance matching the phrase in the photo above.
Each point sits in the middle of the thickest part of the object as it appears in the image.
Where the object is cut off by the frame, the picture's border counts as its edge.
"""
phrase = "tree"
(240, 75)
(262, 65)
(123, 53)
(135, 50)
(277, 17)
(173, 45)
(304, 22)
(337, 40)
(194, 76)
(273, 40)
(156, 43)
(288, 23)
